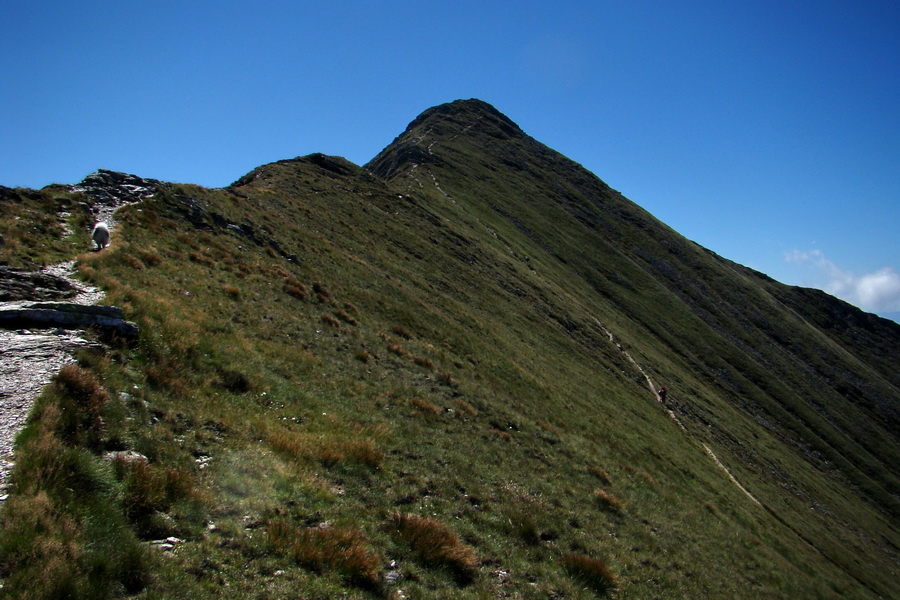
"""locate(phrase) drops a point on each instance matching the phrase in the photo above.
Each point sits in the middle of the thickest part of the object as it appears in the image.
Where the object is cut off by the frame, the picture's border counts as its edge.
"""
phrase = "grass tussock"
(465, 409)
(423, 361)
(202, 258)
(601, 474)
(358, 451)
(45, 553)
(402, 332)
(80, 402)
(608, 501)
(294, 288)
(424, 407)
(395, 348)
(346, 317)
(64, 526)
(447, 379)
(500, 434)
(330, 320)
(148, 489)
(322, 293)
(232, 291)
(436, 545)
(593, 572)
(329, 451)
(150, 257)
(525, 516)
(133, 261)
(342, 550)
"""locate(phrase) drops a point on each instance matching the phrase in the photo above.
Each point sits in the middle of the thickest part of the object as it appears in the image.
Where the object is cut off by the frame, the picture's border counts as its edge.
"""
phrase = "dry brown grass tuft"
(425, 408)
(360, 451)
(203, 259)
(548, 427)
(167, 376)
(151, 487)
(328, 451)
(296, 289)
(81, 402)
(150, 257)
(346, 317)
(322, 293)
(363, 356)
(133, 261)
(402, 332)
(330, 320)
(232, 291)
(503, 435)
(647, 477)
(601, 474)
(592, 571)
(608, 501)
(423, 361)
(397, 349)
(324, 549)
(436, 545)
(447, 379)
(51, 544)
(465, 409)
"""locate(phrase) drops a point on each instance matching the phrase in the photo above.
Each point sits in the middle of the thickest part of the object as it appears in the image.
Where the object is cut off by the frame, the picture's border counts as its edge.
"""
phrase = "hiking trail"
(31, 356)
(672, 414)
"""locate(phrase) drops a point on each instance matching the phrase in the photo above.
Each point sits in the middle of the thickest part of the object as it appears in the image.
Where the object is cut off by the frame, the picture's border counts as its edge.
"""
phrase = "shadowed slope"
(757, 367)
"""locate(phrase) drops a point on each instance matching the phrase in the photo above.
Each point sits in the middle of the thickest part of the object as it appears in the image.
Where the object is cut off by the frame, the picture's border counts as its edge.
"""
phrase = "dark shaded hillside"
(817, 374)
(434, 376)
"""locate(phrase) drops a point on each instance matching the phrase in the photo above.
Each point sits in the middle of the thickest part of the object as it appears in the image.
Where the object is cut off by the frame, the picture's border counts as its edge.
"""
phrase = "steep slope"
(745, 357)
(435, 377)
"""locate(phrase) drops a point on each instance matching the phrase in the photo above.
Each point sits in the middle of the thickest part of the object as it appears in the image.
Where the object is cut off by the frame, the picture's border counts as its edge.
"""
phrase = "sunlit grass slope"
(428, 378)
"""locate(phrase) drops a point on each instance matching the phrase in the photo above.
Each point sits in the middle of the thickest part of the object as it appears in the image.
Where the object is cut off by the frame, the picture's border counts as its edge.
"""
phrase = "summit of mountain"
(436, 374)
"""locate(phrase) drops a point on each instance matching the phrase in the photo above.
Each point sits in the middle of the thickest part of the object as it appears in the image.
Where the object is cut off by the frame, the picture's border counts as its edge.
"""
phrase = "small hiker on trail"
(662, 395)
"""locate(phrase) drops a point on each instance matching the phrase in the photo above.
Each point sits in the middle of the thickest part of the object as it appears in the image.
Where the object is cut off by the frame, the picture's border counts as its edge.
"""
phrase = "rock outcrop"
(114, 188)
(18, 284)
(108, 320)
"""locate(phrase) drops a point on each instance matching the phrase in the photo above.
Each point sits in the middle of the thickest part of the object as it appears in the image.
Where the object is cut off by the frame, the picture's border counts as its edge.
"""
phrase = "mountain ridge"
(471, 328)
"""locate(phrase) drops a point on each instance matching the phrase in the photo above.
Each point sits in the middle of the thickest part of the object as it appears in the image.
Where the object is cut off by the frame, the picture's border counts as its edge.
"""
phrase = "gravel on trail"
(29, 358)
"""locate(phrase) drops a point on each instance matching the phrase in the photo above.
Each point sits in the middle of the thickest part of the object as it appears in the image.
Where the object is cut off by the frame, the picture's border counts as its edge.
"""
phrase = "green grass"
(42, 227)
(346, 388)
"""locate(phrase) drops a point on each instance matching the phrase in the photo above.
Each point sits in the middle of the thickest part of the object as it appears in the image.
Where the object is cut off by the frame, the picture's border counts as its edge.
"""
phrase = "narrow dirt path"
(672, 414)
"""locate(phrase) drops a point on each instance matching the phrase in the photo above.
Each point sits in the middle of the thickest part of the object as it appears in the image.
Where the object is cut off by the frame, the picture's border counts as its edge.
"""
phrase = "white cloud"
(874, 292)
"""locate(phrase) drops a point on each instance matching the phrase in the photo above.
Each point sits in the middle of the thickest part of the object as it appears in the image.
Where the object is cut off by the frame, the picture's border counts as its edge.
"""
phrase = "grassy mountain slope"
(432, 377)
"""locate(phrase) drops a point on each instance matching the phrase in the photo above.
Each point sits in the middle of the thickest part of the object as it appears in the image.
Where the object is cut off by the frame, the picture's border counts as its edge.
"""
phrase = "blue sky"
(768, 132)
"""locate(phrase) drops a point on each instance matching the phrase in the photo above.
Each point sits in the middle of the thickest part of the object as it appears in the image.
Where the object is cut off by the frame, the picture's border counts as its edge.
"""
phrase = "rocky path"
(44, 311)
(28, 360)
(29, 357)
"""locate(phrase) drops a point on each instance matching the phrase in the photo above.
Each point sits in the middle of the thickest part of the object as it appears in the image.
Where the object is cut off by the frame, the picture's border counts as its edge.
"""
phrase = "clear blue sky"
(767, 131)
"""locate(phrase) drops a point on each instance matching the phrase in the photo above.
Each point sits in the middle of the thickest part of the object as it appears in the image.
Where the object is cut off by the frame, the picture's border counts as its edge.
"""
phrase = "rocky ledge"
(108, 320)
(17, 284)
(50, 298)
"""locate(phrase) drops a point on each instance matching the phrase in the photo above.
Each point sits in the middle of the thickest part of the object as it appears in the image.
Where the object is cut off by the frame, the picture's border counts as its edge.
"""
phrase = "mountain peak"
(442, 123)
(469, 111)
